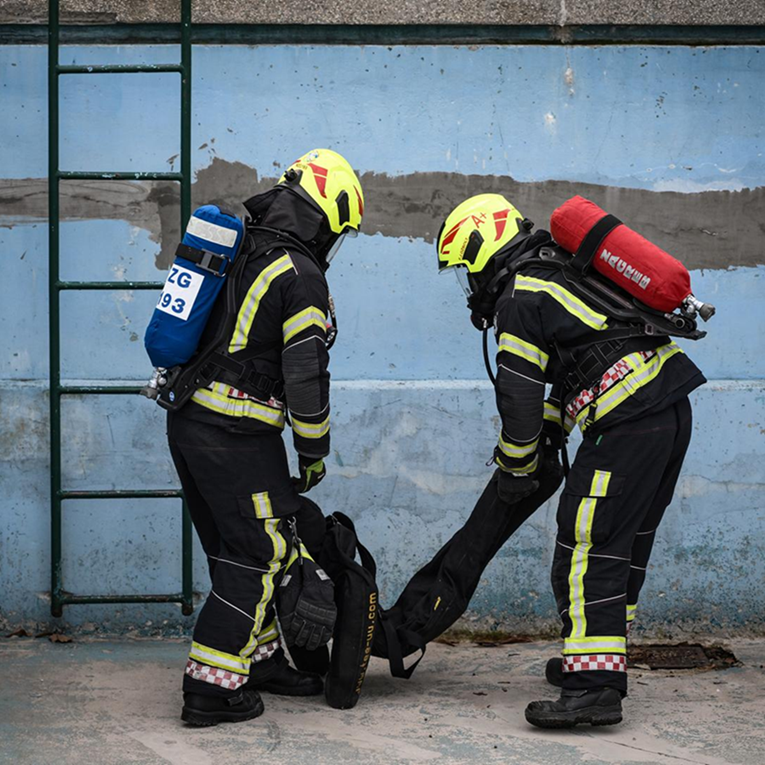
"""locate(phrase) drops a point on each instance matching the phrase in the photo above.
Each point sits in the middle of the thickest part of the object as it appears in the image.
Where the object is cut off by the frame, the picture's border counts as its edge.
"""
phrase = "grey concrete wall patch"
(511, 12)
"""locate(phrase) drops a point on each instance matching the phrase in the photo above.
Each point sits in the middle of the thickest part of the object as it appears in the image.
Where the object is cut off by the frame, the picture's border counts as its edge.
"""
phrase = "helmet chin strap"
(483, 302)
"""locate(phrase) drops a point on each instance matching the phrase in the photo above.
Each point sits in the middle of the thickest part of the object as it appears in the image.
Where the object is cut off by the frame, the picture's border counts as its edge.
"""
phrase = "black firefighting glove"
(512, 488)
(312, 472)
(549, 461)
(306, 602)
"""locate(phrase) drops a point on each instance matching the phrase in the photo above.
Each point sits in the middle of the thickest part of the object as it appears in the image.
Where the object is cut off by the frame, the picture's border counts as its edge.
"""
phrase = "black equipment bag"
(440, 592)
(357, 607)
(431, 602)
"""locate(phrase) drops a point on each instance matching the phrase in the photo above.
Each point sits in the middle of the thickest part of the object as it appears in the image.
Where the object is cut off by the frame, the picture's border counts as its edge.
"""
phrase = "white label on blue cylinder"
(180, 292)
(212, 232)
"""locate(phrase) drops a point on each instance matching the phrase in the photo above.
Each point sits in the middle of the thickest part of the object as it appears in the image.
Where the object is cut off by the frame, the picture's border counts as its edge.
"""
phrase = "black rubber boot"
(598, 707)
(554, 672)
(286, 681)
(203, 711)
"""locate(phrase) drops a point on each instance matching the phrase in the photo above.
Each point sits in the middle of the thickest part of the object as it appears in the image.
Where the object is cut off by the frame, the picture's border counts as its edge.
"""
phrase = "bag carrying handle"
(395, 654)
(367, 561)
(368, 565)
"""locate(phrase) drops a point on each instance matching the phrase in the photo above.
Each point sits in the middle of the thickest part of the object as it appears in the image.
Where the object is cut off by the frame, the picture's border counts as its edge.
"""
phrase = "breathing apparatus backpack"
(643, 290)
(189, 353)
(652, 277)
(644, 287)
(203, 260)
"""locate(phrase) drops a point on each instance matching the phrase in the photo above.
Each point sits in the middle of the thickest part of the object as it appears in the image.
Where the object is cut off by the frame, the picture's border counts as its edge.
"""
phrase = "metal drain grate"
(682, 656)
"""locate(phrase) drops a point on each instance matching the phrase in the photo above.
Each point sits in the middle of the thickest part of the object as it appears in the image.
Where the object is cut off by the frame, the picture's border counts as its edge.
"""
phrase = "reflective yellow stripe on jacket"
(308, 317)
(643, 372)
(523, 349)
(563, 297)
(516, 451)
(524, 470)
(217, 400)
(251, 303)
(310, 430)
(552, 414)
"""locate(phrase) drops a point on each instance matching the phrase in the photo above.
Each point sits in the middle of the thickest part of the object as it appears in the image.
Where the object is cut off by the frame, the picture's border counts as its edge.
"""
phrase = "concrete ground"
(118, 702)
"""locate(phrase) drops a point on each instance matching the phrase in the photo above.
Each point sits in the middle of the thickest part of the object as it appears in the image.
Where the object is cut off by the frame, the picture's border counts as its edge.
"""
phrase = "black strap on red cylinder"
(589, 246)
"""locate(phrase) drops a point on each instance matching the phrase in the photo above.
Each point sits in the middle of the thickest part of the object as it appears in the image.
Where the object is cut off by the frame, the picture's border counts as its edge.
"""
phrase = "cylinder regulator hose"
(486, 360)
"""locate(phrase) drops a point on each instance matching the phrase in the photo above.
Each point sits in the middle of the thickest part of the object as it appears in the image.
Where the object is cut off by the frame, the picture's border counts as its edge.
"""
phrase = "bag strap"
(395, 654)
(212, 262)
(368, 565)
(392, 635)
(367, 560)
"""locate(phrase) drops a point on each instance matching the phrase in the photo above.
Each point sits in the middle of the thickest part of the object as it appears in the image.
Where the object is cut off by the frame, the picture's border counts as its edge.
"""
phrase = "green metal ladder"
(60, 597)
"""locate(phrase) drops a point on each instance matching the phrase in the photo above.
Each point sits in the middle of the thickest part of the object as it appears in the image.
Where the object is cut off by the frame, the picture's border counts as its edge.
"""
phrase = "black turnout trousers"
(440, 592)
(619, 486)
(238, 490)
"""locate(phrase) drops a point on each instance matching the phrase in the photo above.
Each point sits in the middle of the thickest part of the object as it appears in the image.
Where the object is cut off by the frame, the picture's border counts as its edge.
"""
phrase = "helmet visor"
(352, 232)
(334, 248)
(462, 278)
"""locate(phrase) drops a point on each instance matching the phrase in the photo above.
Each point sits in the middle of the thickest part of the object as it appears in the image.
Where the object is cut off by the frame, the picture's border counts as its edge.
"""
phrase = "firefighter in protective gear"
(636, 421)
(227, 446)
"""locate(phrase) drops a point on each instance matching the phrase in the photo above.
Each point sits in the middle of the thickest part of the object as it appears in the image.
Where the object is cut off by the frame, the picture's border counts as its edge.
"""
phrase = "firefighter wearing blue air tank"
(636, 422)
(226, 441)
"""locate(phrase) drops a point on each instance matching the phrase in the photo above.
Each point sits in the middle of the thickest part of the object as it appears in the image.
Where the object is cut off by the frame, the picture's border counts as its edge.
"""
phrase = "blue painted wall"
(414, 420)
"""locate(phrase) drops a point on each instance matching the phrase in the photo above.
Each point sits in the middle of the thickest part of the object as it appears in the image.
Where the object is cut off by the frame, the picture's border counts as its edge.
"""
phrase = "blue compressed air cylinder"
(190, 290)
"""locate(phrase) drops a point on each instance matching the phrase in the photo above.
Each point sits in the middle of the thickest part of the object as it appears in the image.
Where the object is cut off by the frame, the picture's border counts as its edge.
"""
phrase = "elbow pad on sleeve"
(302, 370)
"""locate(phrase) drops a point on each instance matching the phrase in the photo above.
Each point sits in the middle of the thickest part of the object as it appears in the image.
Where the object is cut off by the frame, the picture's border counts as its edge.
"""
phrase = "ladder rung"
(68, 175)
(120, 69)
(109, 285)
(96, 599)
(123, 494)
(114, 390)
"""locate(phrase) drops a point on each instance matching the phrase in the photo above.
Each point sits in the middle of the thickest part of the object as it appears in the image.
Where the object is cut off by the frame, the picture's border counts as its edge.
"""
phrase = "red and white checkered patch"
(266, 651)
(610, 377)
(607, 661)
(272, 402)
(222, 677)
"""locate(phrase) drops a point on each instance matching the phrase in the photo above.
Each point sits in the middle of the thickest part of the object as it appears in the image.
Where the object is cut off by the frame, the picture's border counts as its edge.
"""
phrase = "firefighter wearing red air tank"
(636, 421)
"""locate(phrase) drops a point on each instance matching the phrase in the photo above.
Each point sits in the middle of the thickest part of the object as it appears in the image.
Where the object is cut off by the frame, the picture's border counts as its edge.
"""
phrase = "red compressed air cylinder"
(629, 260)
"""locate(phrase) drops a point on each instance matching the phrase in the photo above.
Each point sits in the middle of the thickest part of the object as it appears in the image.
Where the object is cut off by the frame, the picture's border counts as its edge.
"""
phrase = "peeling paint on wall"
(708, 229)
